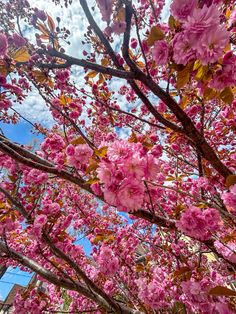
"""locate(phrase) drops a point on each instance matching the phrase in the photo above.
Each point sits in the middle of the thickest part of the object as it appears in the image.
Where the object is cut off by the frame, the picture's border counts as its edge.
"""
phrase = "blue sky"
(20, 133)
(11, 277)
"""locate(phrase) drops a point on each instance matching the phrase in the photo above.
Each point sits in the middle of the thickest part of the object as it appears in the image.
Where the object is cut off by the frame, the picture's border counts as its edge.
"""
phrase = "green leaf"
(222, 291)
(230, 180)
(155, 34)
(227, 95)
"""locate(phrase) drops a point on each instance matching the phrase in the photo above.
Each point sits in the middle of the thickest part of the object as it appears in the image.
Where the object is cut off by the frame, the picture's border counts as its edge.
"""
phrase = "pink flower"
(106, 172)
(229, 198)
(35, 176)
(199, 224)
(41, 14)
(152, 168)
(153, 295)
(96, 189)
(131, 194)
(108, 263)
(105, 7)
(70, 150)
(110, 194)
(3, 44)
(183, 48)
(203, 37)
(160, 52)
(181, 9)
(134, 167)
(63, 75)
(203, 19)
(38, 225)
(5, 104)
(226, 75)
(211, 45)
(208, 36)
(18, 40)
(118, 27)
(119, 149)
(228, 250)
(83, 152)
(232, 20)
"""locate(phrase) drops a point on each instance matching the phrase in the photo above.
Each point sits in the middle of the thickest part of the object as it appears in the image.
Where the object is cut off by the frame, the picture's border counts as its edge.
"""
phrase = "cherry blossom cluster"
(200, 224)
(124, 172)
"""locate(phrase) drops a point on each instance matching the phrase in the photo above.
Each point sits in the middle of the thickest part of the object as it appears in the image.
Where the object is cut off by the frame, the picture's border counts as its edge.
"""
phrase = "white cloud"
(73, 18)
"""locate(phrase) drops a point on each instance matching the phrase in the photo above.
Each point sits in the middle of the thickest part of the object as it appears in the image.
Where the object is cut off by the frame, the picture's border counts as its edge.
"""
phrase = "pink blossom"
(70, 150)
(5, 104)
(63, 75)
(119, 149)
(106, 172)
(134, 167)
(199, 224)
(203, 37)
(18, 40)
(160, 52)
(209, 38)
(226, 75)
(40, 221)
(202, 20)
(79, 155)
(118, 27)
(155, 292)
(228, 250)
(181, 9)
(232, 20)
(105, 7)
(96, 189)
(183, 48)
(108, 263)
(110, 194)
(3, 44)
(211, 45)
(53, 143)
(229, 198)
(131, 194)
(153, 295)
(83, 152)
(35, 176)
(152, 167)
(40, 14)
(196, 292)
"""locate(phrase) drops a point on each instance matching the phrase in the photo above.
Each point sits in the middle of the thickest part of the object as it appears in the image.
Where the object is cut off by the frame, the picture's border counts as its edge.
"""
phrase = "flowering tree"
(140, 161)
